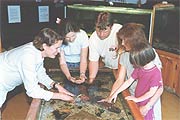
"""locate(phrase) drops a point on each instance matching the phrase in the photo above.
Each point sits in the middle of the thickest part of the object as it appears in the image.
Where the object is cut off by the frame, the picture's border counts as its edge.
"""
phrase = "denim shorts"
(73, 65)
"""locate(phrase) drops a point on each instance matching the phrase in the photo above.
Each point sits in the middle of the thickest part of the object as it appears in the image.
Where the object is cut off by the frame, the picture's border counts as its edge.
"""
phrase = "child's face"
(103, 34)
(70, 37)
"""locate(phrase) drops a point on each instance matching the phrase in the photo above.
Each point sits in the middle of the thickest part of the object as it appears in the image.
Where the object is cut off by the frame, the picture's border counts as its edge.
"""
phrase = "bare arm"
(117, 84)
(120, 79)
(93, 69)
(147, 95)
(144, 109)
(152, 101)
(124, 86)
(62, 94)
(156, 96)
(83, 61)
(63, 65)
(83, 65)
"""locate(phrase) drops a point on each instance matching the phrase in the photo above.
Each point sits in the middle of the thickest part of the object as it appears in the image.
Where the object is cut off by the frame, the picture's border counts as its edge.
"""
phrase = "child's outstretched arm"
(124, 86)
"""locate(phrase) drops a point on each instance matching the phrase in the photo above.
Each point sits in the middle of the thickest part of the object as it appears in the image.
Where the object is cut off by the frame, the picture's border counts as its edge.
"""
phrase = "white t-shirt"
(102, 48)
(72, 51)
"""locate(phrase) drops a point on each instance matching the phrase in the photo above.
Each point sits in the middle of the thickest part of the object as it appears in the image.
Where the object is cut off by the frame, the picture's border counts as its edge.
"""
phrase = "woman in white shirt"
(24, 65)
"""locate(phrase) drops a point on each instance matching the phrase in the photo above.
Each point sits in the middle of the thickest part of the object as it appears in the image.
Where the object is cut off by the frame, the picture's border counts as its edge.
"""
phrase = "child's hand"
(112, 98)
(79, 80)
(83, 78)
(72, 79)
(132, 98)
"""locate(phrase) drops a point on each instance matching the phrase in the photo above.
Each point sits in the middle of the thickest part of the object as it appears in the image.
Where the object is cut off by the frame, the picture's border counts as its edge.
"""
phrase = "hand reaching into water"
(109, 99)
(113, 98)
(64, 91)
(64, 97)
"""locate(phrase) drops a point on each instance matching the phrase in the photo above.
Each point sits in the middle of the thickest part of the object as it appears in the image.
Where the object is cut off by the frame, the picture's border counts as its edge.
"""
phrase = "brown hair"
(132, 34)
(47, 36)
(103, 20)
(141, 55)
(67, 25)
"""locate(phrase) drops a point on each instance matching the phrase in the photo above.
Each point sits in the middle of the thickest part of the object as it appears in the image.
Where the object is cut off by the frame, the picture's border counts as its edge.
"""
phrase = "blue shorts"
(73, 65)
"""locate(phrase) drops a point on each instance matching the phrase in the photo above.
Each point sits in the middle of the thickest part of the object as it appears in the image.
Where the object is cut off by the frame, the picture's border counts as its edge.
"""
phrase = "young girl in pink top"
(147, 74)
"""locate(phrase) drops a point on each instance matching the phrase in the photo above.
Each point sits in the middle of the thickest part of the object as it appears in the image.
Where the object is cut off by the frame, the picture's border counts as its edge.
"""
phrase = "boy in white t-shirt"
(103, 43)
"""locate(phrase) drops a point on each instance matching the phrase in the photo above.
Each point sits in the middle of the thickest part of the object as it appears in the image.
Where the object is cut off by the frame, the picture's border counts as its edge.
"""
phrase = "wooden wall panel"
(170, 70)
(177, 76)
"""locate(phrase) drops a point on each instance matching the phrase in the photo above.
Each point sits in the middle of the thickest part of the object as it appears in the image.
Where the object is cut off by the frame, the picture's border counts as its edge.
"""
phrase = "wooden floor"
(17, 107)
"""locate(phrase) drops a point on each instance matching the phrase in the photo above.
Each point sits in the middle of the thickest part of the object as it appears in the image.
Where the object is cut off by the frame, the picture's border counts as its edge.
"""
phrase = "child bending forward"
(147, 74)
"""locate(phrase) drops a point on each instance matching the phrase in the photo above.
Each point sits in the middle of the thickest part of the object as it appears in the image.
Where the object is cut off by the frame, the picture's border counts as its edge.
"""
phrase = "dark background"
(15, 34)
(166, 32)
